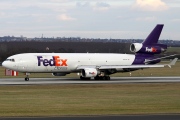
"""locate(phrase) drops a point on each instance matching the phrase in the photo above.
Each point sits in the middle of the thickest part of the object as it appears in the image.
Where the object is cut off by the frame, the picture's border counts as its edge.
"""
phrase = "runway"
(114, 80)
(122, 117)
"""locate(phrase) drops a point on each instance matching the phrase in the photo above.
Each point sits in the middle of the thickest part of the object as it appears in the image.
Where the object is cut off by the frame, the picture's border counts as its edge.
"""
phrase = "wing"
(103, 67)
(148, 61)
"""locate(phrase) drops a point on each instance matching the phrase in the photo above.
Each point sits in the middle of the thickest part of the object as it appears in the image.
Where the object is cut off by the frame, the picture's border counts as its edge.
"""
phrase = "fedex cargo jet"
(92, 65)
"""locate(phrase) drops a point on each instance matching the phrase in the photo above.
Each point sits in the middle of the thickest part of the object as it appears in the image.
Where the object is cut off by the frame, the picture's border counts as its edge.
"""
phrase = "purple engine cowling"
(148, 49)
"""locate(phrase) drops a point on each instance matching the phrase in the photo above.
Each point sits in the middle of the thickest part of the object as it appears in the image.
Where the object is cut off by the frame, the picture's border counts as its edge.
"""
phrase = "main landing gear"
(96, 78)
(102, 78)
(27, 77)
(84, 78)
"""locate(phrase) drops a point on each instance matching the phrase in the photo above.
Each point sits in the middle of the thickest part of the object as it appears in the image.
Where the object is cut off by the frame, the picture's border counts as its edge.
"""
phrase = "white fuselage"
(63, 62)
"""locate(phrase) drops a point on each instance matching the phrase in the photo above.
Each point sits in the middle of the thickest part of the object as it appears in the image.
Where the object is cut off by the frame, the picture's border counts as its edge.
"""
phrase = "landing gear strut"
(27, 77)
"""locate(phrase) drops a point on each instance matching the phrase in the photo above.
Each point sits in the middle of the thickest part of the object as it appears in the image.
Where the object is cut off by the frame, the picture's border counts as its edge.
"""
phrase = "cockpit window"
(12, 60)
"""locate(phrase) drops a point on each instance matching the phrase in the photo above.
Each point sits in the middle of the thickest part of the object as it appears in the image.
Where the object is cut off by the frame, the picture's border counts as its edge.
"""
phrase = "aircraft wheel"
(96, 78)
(108, 78)
(103, 78)
(82, 78)
(26, 79)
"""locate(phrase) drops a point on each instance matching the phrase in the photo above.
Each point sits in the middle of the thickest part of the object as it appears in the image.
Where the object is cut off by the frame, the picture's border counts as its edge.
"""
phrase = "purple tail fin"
(150, 45)
(154, 35)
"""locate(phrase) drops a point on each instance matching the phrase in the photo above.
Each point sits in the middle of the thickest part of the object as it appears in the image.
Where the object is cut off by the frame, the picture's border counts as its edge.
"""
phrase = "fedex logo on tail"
(55, 61)
(152, 49)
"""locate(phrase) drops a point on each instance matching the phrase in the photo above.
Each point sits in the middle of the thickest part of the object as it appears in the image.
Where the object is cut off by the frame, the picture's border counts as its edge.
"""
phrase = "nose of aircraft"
(9, 65)
(5, 64)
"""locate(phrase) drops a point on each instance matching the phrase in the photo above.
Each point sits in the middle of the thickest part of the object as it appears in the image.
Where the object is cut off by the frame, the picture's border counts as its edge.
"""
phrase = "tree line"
(10, 48)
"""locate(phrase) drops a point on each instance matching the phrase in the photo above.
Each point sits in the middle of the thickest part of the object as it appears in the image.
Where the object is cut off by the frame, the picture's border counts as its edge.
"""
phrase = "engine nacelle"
(135, 47)
(89, 72)
(148, 49)
(59, 74)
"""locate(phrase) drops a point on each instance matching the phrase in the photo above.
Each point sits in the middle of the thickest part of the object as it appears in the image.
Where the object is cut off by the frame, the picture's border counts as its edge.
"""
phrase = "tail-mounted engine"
(89, 72)
(148, 49)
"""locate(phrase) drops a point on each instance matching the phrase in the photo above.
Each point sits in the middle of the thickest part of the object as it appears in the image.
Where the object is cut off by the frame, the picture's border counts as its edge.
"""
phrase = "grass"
(103, 99)
(173, 49)
(100, 99)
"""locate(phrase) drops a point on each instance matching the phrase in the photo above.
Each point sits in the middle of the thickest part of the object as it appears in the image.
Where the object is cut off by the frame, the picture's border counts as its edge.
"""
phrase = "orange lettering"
(57, 60)
(154, 50)
(64, 62)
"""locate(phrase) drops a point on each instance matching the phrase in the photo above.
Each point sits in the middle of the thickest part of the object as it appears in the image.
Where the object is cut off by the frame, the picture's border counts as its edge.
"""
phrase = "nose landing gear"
(27, 77)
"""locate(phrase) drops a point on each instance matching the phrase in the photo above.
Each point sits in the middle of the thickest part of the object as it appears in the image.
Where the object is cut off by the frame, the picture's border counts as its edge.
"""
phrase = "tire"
(108, 78)
(96, 78)
(26, 79)
(82, 78)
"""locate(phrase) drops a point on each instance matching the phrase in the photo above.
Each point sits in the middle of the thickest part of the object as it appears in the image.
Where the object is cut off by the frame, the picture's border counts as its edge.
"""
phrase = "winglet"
(173, 62)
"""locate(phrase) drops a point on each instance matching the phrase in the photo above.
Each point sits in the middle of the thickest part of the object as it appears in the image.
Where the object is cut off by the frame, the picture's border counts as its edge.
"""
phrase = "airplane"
(93, 65)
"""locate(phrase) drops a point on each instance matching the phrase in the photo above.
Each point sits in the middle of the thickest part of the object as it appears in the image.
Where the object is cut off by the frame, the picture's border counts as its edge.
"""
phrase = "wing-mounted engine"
(148, 49)
(59, 74)
(89, 72)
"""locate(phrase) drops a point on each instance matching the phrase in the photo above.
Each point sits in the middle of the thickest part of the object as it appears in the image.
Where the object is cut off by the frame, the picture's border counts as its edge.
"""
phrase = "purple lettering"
(45, 62)
(39, 60)
(51, 62)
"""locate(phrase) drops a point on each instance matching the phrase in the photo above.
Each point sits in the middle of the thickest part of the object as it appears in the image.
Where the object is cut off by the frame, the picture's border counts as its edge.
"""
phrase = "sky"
(116, 19)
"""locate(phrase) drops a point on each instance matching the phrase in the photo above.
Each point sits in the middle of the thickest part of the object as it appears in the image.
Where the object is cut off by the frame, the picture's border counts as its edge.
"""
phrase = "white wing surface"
(127, 66)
